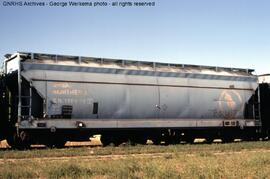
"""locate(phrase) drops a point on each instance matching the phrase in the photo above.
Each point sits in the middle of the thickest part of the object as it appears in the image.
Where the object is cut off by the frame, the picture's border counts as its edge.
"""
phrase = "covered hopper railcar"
(51, 99)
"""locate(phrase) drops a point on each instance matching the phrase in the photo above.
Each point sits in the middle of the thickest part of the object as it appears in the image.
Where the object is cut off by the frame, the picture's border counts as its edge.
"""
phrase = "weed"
(69, 170)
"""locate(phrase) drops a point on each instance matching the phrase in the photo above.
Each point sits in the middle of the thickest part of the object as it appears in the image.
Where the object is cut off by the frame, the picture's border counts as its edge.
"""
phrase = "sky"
(229, 33)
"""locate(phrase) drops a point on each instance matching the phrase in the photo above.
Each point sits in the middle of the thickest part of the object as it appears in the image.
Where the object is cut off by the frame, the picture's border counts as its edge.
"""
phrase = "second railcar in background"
(51, 99)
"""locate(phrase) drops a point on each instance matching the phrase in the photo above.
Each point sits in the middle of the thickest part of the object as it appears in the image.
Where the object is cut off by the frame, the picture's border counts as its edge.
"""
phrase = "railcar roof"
(122, 62)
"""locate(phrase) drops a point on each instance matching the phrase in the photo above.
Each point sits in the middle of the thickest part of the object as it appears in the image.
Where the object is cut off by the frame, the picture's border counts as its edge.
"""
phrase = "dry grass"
(234, 160)
(245, 164)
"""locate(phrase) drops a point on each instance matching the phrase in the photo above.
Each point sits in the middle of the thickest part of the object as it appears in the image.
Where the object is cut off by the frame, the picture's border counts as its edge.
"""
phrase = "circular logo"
(230, 103)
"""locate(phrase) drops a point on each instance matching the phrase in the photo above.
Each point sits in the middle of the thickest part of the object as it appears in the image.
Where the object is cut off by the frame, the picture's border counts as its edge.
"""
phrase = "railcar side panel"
(122, 96)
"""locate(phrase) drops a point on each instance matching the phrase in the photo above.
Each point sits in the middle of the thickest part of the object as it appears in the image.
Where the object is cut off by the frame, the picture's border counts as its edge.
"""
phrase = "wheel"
(175, 139)
(20, 142)
(227, 140)
(131, 142)
(143, 141)
(156, 141)
(190, 140)
(209, 140)
(105, 140)
(59, 144)
(140, 140)
(55, 141)
(168, 139)
(117, 141)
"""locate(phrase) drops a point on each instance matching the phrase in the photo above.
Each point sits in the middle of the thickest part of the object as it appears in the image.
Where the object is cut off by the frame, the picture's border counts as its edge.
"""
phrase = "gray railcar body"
(129, 92)
(68, 92)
